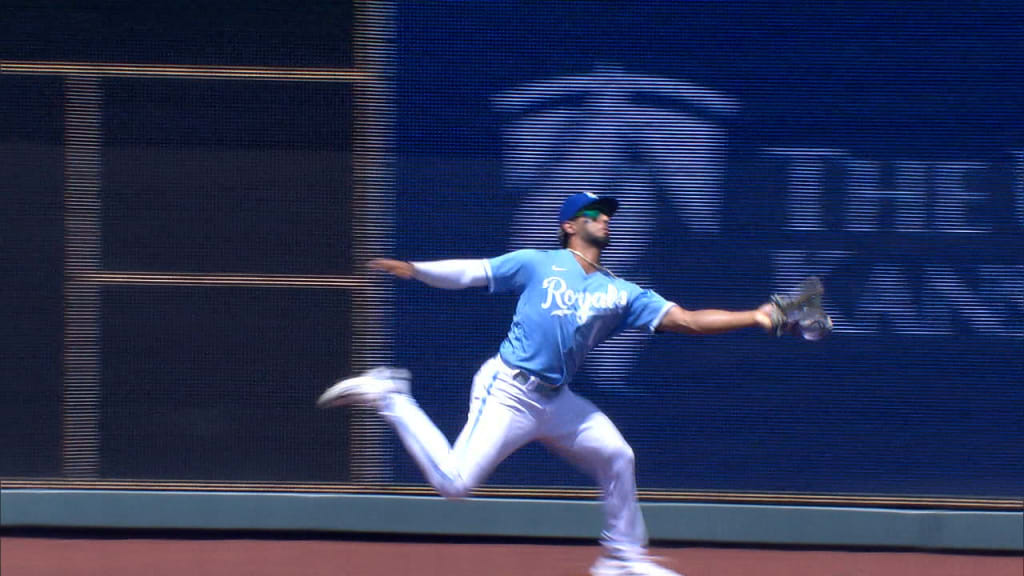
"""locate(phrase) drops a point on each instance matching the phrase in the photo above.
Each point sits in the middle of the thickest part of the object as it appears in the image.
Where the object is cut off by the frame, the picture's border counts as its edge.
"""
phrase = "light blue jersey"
(563, 312)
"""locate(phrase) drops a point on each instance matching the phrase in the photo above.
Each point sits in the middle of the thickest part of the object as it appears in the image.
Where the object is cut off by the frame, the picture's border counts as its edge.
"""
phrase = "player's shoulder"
(626, 285)
(531, 254)
(634, 288)
(521, 262)
(535, 252)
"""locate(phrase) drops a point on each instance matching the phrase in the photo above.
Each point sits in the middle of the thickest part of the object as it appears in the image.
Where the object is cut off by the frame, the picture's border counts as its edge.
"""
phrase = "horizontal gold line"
(181, 71)
(527, 492)
(189, 279)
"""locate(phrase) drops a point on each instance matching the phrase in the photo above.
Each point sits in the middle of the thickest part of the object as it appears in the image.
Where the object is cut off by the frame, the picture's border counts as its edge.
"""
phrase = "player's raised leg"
(501, 420)
(492, 432)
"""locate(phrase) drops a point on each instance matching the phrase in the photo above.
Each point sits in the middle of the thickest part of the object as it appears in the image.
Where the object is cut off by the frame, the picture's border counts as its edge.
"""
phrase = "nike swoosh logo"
(557, 269)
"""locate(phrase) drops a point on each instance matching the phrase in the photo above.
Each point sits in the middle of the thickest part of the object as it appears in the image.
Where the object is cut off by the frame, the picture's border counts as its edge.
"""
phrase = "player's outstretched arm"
(450, 274)
(799, 313)
(683, 321)
(399, 268)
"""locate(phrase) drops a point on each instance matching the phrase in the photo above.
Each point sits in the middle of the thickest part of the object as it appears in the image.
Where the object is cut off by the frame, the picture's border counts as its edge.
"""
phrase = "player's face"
(593, 228)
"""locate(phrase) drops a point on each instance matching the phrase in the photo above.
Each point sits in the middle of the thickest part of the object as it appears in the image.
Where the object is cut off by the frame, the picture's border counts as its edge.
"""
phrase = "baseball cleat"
(367, 388)
(644, 566)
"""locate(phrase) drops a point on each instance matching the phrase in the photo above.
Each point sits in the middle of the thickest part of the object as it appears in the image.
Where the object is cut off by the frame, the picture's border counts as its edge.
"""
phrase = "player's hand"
(399, 268)
(763, 316)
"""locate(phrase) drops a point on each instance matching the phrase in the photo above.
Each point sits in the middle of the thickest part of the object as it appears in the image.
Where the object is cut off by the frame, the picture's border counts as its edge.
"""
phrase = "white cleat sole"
(642, 567)
(366, 388)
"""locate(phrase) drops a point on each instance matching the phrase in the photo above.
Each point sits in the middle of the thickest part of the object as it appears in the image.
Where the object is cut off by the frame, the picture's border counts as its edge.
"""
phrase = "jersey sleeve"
(512, 271)
(646, 310)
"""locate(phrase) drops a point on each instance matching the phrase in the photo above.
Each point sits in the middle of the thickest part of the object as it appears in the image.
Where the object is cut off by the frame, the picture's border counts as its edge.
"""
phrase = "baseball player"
(568, 304)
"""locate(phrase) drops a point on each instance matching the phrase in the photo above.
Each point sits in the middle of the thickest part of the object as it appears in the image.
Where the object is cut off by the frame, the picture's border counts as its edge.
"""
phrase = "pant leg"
(501, 420)
(579, 432)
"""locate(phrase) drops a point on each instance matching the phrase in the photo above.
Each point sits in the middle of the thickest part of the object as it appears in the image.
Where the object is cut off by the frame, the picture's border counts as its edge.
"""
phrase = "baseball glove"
(800, 313)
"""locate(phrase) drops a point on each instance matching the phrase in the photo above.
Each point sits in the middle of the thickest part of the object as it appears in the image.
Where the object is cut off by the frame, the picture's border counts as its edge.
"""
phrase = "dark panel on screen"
(220, 383)
(31, 236)
(227, 176)
(252, 33)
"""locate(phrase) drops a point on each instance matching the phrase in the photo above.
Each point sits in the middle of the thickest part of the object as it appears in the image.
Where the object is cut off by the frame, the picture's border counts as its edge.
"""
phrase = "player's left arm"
(710, 321)
(506, 272)
(799, 312)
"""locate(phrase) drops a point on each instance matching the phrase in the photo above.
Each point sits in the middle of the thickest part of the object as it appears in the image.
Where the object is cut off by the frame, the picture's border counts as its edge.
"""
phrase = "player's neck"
(589, 257)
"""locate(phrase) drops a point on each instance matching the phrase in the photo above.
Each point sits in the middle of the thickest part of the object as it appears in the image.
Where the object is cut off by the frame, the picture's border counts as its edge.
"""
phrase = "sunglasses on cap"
(589, 213)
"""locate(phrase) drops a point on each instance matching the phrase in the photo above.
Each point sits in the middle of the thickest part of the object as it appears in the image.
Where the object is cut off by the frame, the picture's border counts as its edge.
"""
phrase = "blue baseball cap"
(576, 202)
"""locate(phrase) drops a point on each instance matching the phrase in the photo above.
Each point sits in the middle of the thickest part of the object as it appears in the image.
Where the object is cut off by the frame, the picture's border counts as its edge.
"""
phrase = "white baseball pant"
(509, 409)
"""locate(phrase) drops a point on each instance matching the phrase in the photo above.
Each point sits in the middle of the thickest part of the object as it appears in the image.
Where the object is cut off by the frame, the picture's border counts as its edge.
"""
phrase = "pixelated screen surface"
(878, 145)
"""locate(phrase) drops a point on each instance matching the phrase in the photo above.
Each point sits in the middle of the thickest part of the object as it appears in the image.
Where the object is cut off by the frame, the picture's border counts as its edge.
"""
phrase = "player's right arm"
(506, 273)
(450, 274)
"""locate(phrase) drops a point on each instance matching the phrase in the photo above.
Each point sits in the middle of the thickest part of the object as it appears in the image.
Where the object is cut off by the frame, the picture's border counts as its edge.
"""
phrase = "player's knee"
(623, 459)
(454, 485)
(618, 467)
(454, 489)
